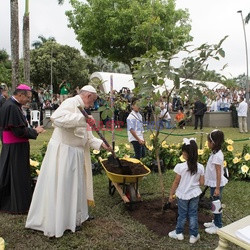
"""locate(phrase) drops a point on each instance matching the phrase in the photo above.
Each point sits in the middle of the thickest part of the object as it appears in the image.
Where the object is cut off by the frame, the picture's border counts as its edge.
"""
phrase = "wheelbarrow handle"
(94, 127)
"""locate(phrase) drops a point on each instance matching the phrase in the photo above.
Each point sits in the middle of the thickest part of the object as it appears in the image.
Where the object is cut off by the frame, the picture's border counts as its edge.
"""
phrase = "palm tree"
(39, 43)
(14, 36)
(26, 43)
(247, 19)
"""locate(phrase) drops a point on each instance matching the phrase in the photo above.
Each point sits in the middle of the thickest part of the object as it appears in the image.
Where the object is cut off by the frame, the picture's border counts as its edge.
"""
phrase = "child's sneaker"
(193, 239)
(211, 230)
(174, 235)
(209, 224)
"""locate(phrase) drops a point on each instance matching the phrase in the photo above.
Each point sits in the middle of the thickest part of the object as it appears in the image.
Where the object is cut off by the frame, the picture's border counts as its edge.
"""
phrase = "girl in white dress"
(214, 176)
(186, 186)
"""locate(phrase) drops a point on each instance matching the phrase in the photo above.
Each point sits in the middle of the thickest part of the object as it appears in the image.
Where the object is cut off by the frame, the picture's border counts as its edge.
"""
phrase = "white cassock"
(64, 187)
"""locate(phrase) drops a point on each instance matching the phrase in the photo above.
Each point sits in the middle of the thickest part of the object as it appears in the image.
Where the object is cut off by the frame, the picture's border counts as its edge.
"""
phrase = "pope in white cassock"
(64, 187)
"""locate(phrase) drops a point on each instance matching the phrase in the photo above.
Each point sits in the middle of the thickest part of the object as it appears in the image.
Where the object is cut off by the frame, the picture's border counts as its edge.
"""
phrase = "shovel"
(114, 159)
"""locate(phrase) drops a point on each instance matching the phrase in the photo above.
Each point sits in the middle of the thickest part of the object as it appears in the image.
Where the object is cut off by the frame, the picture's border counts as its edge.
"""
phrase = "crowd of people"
(175, 112)
(224, 98)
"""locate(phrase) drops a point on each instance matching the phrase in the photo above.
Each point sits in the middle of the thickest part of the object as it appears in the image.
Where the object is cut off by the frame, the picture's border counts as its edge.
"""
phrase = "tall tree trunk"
(157, 124)
(14, 42)
(163, 198)
(26, 43)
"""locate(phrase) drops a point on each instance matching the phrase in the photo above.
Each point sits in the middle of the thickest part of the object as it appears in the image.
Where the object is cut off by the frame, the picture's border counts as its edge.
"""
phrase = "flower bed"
(237, 163)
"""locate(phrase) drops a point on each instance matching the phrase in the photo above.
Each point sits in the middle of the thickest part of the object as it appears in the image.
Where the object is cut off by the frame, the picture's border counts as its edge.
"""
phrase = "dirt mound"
(161, 222)
(130, 167)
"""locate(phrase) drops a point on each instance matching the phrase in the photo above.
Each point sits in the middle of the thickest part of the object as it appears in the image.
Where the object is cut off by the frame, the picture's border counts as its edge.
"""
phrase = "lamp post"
(51, 74)
(247, 82)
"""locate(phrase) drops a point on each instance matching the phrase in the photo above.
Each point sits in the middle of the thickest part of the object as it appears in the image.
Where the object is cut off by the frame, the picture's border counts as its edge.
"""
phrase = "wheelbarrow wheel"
(111, 188)
(131, 193)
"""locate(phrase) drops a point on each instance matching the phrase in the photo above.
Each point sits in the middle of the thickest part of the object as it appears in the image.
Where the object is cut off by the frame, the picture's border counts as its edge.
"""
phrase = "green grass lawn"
(112, 227)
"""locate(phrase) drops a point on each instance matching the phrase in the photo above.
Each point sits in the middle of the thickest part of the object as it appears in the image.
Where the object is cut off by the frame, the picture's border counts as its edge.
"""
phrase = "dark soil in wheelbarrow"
(150, 214)
(134, 168)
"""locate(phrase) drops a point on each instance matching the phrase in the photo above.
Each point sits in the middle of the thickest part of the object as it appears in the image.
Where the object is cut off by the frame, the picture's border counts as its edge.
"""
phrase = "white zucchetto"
(89, 88)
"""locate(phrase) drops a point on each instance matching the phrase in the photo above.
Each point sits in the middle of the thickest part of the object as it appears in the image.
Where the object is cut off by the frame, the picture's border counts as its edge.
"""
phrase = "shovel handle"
(93, 125)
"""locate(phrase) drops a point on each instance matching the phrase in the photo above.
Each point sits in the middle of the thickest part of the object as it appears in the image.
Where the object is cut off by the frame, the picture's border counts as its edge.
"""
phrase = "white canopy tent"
(169, 84)
(119, 80)
(126, 80)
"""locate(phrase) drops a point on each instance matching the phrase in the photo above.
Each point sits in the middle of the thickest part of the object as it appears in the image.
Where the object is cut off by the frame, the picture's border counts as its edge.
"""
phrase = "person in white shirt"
(214, 176)
(219, 100)
(186, 186)
(214, 107)
(135, 130)
(242, 115)
(165, 118)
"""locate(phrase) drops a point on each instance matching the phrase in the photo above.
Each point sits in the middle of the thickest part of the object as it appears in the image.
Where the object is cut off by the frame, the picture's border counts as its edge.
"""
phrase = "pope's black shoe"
(90, 218)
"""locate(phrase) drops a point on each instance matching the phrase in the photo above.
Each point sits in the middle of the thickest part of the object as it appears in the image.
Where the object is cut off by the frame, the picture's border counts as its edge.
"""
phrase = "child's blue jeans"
(188, 208)
(217, 217)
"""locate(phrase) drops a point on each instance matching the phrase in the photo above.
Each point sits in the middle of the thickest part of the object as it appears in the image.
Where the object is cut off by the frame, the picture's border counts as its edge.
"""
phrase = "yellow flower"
(225, 164)
(34, 163)
(126, 156)
(109, 153)
(238, 154)
(149, 147)
(116, 149)
(182, 158)
(38, 172)
(2, 243)
(230, 148)
(127, 146)
(200, 151)
(247, 157)
(206, 145)
(171, 150)
(96, 152)
(244, 169)
(178, 145)
(236, 160)
(229, 141)
(164, 144)
(152, 136)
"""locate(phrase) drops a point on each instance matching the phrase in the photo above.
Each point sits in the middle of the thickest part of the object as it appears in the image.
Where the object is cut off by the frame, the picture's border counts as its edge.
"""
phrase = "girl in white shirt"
(186, 186)
(214, 176)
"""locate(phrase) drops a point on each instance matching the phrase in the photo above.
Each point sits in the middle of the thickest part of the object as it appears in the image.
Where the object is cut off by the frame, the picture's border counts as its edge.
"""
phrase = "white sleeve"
(177, 169)
(217, 160)
(131, 123)
(67, 116)
(94, 142)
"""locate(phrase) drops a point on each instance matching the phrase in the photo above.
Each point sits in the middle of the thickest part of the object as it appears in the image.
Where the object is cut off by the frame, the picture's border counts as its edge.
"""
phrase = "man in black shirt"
(199, 110)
